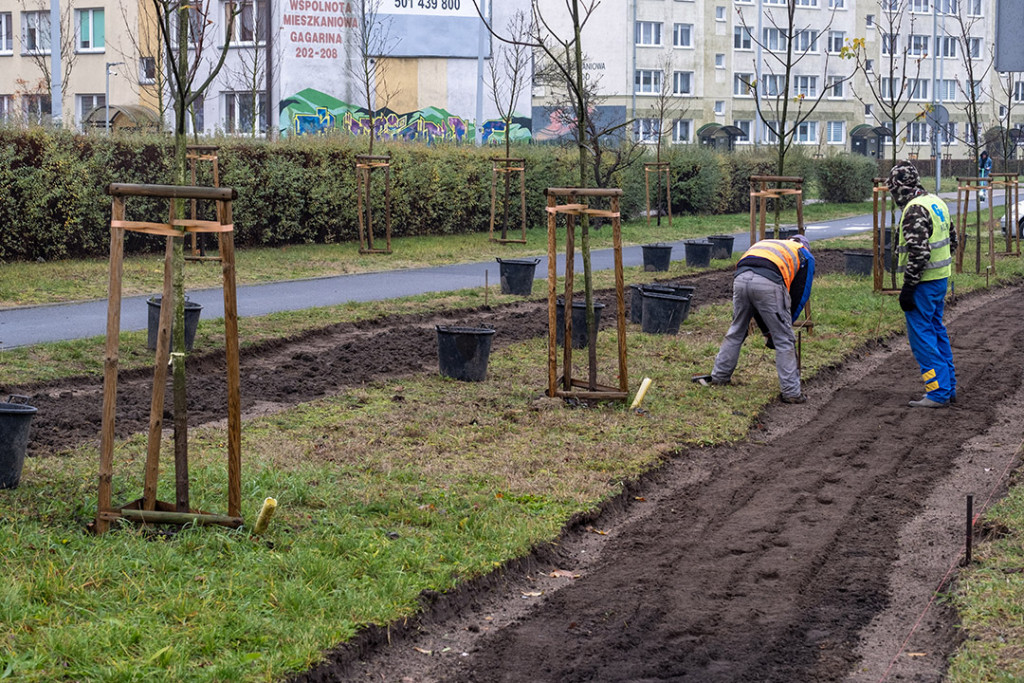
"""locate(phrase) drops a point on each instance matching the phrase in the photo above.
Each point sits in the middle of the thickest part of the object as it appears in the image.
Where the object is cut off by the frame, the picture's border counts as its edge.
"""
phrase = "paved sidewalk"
(61, 322)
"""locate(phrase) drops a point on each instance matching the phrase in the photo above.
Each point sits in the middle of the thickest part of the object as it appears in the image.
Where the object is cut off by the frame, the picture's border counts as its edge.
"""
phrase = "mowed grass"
(384, 491)
(32, 283)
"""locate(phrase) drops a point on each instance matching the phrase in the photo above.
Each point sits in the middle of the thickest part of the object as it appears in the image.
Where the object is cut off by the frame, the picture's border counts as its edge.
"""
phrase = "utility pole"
(56, 86)
(481, 49)
(269, 60)
(936, 139)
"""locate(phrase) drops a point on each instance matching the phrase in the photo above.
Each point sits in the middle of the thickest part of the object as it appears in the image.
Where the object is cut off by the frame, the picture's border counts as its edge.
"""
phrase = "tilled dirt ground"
(808, 553)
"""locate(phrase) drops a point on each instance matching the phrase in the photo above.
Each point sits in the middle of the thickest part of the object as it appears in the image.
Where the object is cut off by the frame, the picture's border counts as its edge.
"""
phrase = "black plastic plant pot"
(579, 322)
(657, 256)
(517, 275)
(859, 262)
(636, 299)
(721, 246)
(698, 253)
(463, 352)
(15, 418)
(787, 233)
(663, 313)
(192, 310)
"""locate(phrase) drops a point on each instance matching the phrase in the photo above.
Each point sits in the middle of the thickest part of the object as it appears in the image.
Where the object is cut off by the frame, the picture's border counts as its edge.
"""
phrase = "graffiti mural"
(559, 123)
(311, 112)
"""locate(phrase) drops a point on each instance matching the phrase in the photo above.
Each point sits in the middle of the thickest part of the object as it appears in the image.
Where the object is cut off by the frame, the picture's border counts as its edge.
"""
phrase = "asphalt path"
(62, 322)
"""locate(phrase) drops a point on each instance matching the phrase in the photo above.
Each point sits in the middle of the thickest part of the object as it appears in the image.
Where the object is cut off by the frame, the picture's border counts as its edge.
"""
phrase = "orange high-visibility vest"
(783, 253)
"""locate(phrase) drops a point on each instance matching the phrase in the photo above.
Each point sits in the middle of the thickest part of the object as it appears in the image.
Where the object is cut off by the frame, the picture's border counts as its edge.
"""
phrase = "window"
(35, 108)
(745, 127)
(835, 41)
(806, 133)
(647, 82)
(805, 86)
(970, 134)
(719, 13)
(947, 46)
(869, 65)
(918, 45)
(947, 133)
(837, 4)
(773, 85)
(948, 6)
(890, 43)
(806, 41)
(1018, 91)
(719, 61)
(646, 130)
(869, 20)
(890, 5)
(682, 83)
(774, 39)
(918, 88)
(90, 36)
(835, 132)
(648, 32)
(5, 107)
(681, 130)
(835, 87)
(973, 7)
(250, 26)
(919, 6)
(806, 3)
(741, 38)
(917, 132)
(887, 86)
(197, 115)
(947, 90)
(977, 90)
(719, 107)
(1002, 111)
(86, 103)
(768, 133)
(245, 112)
(6, 37)
(682, 35)
(35, 32)
(147, 70)
(974, 48)
(869, 111)
(741, 85)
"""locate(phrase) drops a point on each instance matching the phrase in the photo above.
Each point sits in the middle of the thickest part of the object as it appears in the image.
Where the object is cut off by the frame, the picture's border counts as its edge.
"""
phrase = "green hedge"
(846, 177)
(53, 205)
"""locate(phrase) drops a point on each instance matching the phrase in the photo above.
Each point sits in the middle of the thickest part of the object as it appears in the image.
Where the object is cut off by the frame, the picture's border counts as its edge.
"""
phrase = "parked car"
(1020, 221)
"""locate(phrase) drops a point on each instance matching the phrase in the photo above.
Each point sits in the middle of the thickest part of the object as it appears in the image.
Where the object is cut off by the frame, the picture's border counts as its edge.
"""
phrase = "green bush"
(845, 177)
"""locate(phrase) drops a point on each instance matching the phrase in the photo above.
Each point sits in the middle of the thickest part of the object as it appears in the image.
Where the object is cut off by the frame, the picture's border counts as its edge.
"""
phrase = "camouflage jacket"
(916, 225)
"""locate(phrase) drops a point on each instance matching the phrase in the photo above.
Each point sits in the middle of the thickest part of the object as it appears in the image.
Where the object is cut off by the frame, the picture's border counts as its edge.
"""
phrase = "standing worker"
(772, 284)
(984, 171)
(925, 248)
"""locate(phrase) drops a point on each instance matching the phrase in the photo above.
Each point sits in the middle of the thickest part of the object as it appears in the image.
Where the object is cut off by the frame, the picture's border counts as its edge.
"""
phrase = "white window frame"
(741, 84)
(768, 136)
(249, 27)
(973, 8)
(746, 125)
(647, 81)
(837, 4)
(777, 83)
(741, 38)
(719, 13)
(918, 133)
(947, 89)
(835, 132)
(92, 13)
(805, 85)
(37, 25)
(93, 99)
(678, 78)
(806, 40)
(806, 3)
(231, 113)
(918, 45)
(774, 40)
(720, 60)
(6, 34)
(719, 107)
(836, 88)
(890, 43)
(1018, 91)
(35, 107)
(920, 6)
(647, 33)
(682, 35)
(144, 77)
(974, 46)
(646, 130)
(678, 127)
(947, 46)
(6, 103)
(806, 133)
(836, 40)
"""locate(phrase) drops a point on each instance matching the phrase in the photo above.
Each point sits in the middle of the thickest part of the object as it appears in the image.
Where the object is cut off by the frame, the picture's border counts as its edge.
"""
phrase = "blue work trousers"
(929, 341)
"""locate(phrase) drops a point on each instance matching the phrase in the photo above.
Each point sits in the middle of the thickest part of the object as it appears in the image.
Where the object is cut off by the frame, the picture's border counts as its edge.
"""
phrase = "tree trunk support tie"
(505, 167)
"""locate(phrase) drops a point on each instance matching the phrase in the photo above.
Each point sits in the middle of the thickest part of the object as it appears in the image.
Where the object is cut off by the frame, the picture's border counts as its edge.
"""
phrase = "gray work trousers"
(751, 291)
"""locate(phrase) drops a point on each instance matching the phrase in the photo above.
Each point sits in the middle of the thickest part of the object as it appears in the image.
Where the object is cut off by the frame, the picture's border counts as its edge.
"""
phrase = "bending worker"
(772, 284)
(925, 249)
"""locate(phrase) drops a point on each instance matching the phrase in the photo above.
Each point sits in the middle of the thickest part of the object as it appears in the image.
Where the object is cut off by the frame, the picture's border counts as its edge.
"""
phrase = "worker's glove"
(769, 343)
(907, 298)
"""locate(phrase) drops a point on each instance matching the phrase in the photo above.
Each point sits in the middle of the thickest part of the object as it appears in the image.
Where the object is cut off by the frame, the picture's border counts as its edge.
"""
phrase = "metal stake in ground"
(970, 529)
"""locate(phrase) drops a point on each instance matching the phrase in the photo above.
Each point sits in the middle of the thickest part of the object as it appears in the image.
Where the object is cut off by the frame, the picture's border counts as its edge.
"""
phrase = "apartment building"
(103, 49)
(710, 63)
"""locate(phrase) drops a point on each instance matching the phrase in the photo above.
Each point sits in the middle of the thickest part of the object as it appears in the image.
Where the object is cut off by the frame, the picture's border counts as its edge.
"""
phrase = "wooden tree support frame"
(194, 154)
(148, 509)
(1011, 192)
(366, 164)
(760, 193)
(880, 202)
(966, 186)
(505, 167)
(566, 386)
(658, 168)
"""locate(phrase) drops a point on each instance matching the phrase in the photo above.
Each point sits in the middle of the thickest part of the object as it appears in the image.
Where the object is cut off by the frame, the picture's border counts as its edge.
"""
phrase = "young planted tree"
(666, 108)
(1011, 91)
(509, 76)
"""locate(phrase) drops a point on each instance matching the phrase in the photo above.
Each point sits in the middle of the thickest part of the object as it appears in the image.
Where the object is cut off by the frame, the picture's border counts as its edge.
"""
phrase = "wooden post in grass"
(577, 206)
(968, 185)
(149, 509)
(195, 154)
(658, 168)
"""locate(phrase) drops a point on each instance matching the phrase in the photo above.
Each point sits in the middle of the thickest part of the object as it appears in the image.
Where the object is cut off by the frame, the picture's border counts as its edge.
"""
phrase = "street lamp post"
(106, 100)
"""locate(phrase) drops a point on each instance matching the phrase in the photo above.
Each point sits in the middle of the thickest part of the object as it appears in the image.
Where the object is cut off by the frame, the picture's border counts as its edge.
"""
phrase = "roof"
(123, 115)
